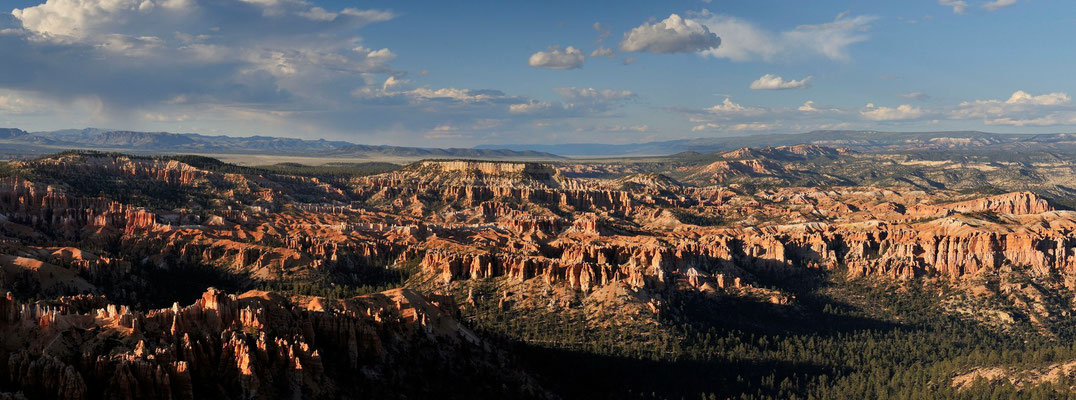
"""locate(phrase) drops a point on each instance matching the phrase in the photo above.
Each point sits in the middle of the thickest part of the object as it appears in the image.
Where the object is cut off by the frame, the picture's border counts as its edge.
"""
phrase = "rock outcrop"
(256, 345)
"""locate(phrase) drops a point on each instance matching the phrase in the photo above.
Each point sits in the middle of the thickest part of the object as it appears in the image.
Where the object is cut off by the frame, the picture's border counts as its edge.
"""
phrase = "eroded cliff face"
(492, 225)
(47, 209)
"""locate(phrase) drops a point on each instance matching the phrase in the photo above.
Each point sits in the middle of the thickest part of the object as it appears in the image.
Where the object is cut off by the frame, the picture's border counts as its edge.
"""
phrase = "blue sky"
(467, 73)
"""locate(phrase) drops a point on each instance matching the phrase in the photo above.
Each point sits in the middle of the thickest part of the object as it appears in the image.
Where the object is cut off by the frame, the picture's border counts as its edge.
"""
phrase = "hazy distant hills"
(436, 152)
(16, 142)
(857, 140)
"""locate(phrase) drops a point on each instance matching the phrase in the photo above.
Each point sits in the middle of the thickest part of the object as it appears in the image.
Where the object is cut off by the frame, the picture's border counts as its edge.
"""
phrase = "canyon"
(169, 277)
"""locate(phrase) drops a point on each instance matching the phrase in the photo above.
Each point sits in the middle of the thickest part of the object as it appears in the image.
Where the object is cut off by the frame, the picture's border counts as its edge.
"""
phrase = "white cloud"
(1020, 102)
(555, 58)
(914, 96)
(959, 6)
(367, 16)
(1051, 99)
(592, 94)
(530, 108)
(321, 14)
(732, 117)
(1061, 118)
(224, 64)
(704, 127)
(130, 45)
(603, 51)
(774, 82)
(900, 113)
(66, 20)
(1020, 109)
(808, 106)
(162, 117)
(180, 44)
(12, 103)
(87, 21)
(615, 128)
(392, 82)
(425, 94)
(741, 127)
(603, 31)
(754, 126)
(994, 5)
(728, 108)
(745, 41)
(672, 35)
(631, 128)
(318, 14)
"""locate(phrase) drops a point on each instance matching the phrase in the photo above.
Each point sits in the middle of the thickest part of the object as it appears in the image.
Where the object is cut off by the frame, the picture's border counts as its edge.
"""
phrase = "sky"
(448, 73)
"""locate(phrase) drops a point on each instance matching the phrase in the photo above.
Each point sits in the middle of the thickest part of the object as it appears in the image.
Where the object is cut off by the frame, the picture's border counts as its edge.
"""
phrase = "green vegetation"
(857, 339)
(149, 192)
(688, 217)
(330, 171)
(366, 280)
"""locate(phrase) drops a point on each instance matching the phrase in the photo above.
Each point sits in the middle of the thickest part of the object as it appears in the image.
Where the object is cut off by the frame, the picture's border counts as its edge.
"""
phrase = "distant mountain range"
(856, 140)
(17, 142)
(20, 143)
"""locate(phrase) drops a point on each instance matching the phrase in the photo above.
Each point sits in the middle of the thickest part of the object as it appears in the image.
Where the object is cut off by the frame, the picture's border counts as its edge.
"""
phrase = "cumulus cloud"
(1020, 102)
(1020, 109)
(914, 96)
(573, 94)
(959, 6)
(808, 106)
(811, 107)
(900, 113)
(704, 127)
(577, 102)
(729, 116)
(70, 20)
(276, 67)
(994, 5)
(774, 82)
(1066, 118)
(12, 103)
(728, 108)
(318, 14)
(534, 107)
(603, 31)
(271, 67)
(1051, 99)
(555, 58)
(671, 35)
(616, 128)
(602, 51)
(742, 127)
(394, 90)
(746, 41)
(176, 48)
(87, 20)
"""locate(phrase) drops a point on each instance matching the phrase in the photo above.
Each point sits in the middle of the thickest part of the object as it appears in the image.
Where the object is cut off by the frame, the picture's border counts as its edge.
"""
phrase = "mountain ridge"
(23, 142)
(855, 140)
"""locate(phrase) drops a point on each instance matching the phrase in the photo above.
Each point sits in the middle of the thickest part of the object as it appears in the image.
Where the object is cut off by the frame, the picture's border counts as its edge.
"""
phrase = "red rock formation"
(258, 345)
